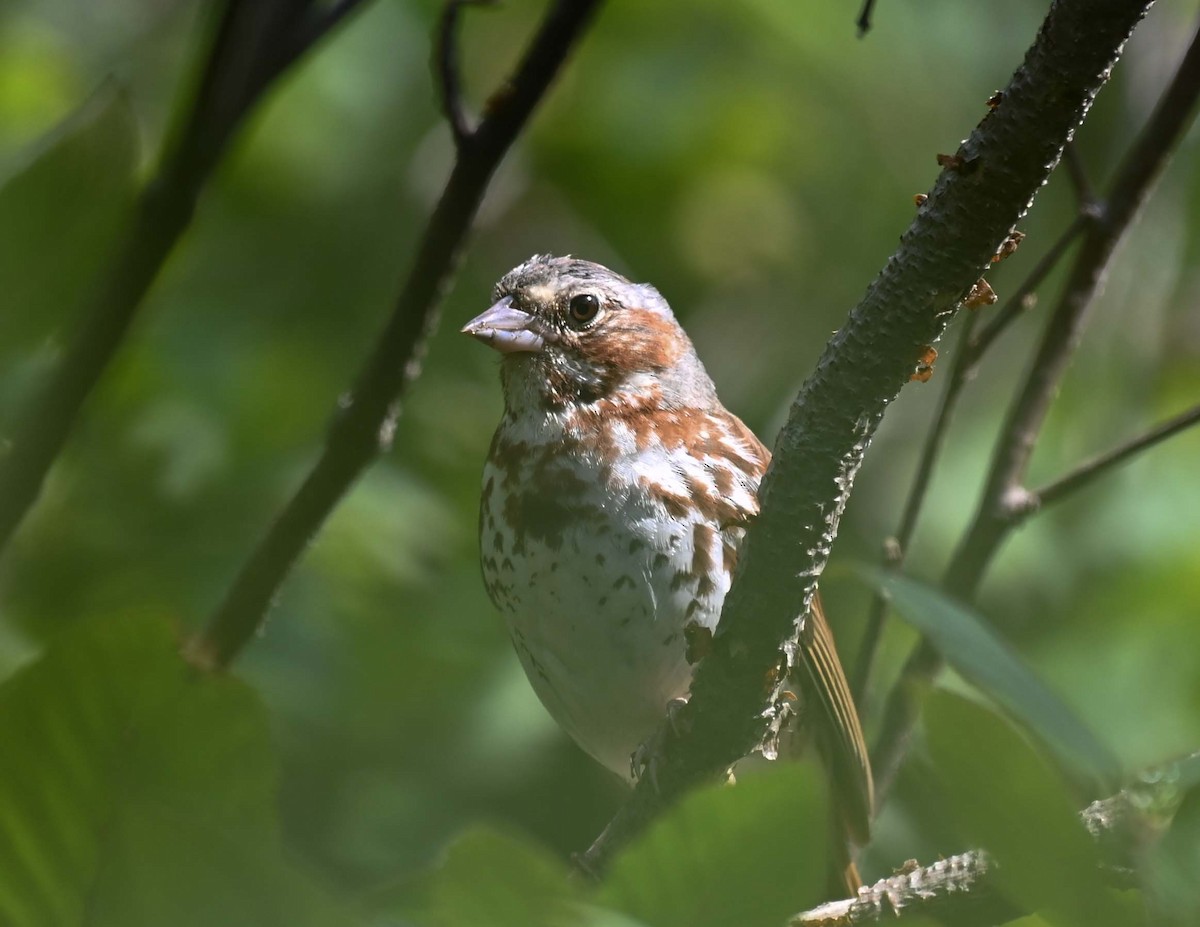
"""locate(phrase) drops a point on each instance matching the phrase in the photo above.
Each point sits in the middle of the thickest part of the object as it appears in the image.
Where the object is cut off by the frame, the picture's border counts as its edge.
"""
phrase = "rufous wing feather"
(839, 732)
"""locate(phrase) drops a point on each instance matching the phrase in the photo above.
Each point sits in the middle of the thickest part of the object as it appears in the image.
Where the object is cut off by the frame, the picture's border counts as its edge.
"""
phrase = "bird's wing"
(841, 734)
(825, 688)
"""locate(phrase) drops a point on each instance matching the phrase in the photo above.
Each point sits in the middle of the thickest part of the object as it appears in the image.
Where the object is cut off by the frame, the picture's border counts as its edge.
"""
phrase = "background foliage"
(756, 162)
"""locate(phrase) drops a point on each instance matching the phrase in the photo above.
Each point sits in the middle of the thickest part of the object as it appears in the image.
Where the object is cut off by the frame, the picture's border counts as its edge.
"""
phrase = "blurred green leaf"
(59, 213)
(136, 791)
(1004, 796)
(752, 854)
(490, 879)
(985, 660)
(1172, 866)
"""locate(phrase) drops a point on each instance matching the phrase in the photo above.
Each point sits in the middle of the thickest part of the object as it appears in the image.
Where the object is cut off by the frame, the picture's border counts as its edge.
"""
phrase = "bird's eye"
(583, 307)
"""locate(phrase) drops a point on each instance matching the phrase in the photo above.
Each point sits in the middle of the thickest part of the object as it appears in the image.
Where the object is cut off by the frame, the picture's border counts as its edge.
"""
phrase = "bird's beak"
(506, 328)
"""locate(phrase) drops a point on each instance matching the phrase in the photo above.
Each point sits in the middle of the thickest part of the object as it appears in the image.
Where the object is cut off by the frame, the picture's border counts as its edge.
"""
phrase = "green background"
(757, 163)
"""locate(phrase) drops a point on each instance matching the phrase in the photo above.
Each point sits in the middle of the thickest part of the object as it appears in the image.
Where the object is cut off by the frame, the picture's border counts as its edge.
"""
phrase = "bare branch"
(316, 25)
(1092, 469)
(971, 349)
(1078, 174)
(864, 17)
(962, 890)
(446, 69)
(896, 547)
(734, 694)
(366, 418)
(1004, 496)
(1017, 304)
(251, 44)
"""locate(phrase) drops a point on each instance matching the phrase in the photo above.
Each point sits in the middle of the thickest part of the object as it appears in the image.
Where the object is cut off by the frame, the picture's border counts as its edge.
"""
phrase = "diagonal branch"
(1092, 469)
(896, 547)
(962, 890)
(446, 69)
(251, 45)
(366, 418)
(1004, 495)
(972, 346)
(864, 17)
(973, 207)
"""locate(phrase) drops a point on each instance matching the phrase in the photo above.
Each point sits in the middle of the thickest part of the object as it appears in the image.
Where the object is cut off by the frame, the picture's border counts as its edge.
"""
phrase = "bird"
(615, 497)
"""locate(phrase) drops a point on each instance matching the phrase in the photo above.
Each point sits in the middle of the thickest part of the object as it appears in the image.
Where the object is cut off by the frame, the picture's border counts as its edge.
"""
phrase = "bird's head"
(574, 333)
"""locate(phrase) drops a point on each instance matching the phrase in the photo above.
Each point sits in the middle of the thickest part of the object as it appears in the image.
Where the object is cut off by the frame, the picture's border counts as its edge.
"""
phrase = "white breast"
(597, 581)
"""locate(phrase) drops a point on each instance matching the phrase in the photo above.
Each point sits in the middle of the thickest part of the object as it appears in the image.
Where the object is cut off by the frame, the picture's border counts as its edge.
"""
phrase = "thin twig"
(973, 345)
(446, 69)
(1004, 496)
(963, 889)
(1097, 466)
(1017, 304)
(738, 687)
(366, 419)
(246, 53)
(896, 547)
(318, 24)
(864, 17)
(1077, 172)
(971, 349)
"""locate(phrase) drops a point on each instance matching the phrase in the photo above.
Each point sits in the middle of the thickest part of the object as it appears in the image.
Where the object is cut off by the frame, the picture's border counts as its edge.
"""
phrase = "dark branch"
(1092, 469)
(1077, 172)
(249, 48)
(1004, 493)
(446, 69)
(864, 17)
(896, 548)
(1017, 304)
(971, 350)
(366, 419)
(317, 24)
(963, 889)
(972, 209)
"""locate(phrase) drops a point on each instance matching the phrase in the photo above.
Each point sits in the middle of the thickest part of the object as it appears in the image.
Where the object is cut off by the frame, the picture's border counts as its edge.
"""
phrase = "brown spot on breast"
(703, 537)
(729, 556)
(678, 506)
(557, 502)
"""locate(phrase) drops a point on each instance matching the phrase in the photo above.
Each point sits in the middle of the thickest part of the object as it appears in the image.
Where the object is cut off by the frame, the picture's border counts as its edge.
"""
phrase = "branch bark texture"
(252, 45)
(366, 420)
(976, 201)
(962, 889)
(1005, 500)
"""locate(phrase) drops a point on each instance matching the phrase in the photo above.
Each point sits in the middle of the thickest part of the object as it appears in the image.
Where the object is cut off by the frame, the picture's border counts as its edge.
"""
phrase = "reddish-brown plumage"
(615, 496)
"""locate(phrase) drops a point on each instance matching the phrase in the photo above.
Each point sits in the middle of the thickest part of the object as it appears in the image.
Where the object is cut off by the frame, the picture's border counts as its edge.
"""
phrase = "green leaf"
(1005, 797)
(751, 854)
(985, 660)
(135, 791)
(1172, 865)
(490, 879)
(59, 214)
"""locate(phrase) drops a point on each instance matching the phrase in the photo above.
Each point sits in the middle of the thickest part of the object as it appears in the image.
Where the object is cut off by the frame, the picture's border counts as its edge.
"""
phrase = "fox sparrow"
(615, 496)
